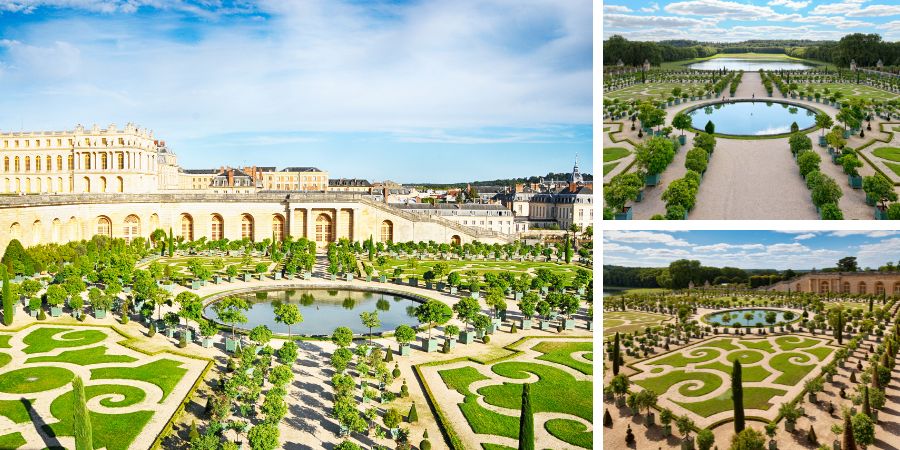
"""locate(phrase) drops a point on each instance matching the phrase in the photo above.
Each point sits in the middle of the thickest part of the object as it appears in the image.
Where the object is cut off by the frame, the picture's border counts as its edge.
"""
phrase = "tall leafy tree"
(288, 314)
(526, 420)
(8, 302)
(616, 354)
(737, 395)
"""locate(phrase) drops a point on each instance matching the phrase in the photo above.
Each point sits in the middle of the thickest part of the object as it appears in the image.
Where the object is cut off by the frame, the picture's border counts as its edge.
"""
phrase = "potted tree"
(450, 334)
(623, 188)
(790, 413)
(100, 304)
(619, 385)
(813, 386)
(231, 310)
(653, 156)
(466, 310)
(771, 431)
(208, 329)
(433, 313)
(879, 189)
(665, 418)
(34, 306)
(685, 425)
(527, 306)
(404, 334)
(543, 309)
(56, 296)
(851, 163)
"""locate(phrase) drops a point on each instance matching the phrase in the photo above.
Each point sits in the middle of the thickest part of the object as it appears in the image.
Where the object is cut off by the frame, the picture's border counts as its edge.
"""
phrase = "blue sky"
(751, 249)
(738, 20)
(374, 89)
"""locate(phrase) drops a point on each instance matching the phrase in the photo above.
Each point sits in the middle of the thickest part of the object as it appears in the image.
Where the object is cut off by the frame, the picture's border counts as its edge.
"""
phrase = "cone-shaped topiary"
(9, 308)
(526, 420)
(413, 416)
(866, 409)
(388, 355)
(615, 354)
(84, 439)
(404, 390)
(737, 395)
(193, 434)
(811, 436)
(849, 442)
(607, 419)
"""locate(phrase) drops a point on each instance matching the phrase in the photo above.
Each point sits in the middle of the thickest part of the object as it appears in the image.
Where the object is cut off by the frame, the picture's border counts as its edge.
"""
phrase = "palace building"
(877, 283)
(60, 186)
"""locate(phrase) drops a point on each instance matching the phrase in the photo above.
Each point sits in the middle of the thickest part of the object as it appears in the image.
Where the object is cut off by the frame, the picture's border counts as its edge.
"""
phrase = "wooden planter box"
(276, 276)
(624, 215)
(232, 345)
(545, 325)
(429, 345)
(55, 311)
(526, 324)
(382, 278)
(206, 342)
(569, 324)
(466, 337)
(348, 277)
(453, 290)
(98, 313)
(247, 277)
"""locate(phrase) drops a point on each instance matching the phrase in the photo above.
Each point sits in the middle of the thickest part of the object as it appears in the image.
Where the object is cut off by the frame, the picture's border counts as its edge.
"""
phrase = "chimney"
(231, 177)
(573, 187)
(384, 192)
(519, 187)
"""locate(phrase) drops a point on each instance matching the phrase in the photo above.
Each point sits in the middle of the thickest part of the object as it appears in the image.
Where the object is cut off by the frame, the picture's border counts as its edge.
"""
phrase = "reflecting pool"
(748, 317)
(324, 310)
(758, 118)
(749, 64)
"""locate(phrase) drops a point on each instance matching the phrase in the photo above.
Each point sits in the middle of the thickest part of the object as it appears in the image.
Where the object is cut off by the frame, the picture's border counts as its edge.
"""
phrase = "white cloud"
(721, 247)
(631, 21)
(835, 21)
(871, 234)
(652, 8)
(876, 254)
(616, 9)
(726, 9)
(803, 236)
(644, 237)
(875, 11)
(837, 8)
(790, 4)
(794, 247)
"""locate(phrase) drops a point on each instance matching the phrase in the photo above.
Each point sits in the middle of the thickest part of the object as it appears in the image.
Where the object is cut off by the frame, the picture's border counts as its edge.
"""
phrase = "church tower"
(576, 177)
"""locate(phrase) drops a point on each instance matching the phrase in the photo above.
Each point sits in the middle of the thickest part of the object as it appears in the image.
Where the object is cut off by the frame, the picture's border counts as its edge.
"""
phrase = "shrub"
(813, 178)
(799, 143)
(486, 339)
(413, 416)
(705, 141)
(622, 188)
(288, 352)
(850, 163)
(655, 154)
(710, 127)
(826, 191)
(697, 160)
(831, 211)
(893, 212)
(879, 188)
(808, 161)
(675, 212)
(680, 192)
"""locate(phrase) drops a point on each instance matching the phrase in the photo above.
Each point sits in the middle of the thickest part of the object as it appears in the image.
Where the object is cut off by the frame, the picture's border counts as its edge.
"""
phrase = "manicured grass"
(791, 373)
(614, 153)
(566, 271)
(83, 357)
(627, 321)
(15, 410)
(4, 340)
(164, 373)
(745, 356)
(853, 91)
(748, 373)
(34, 379)
(890, 153)
(561, 353)
(754, 398)
(570, 431)
(788, 343)
(763, 345)
(489, 446)
(113, 431)
(708, 383)
(724, 344)
(12, 440)
(894, 167)
(684, 357)
(545, 394)
(481, 420)
(43, 340)
(4, 359)
(607, 168)
(819, 352)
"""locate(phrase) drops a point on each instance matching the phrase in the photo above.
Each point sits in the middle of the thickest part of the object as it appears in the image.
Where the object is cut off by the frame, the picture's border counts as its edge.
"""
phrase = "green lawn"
(607, 168)
(724, 344)
(708, 383)
(482, 421)
(561, 353)
(4, 359)
(748, 373)
(4, 340)
(83, 357)
(614, 153)
(791, 373)
(819, 352)
(45, 339)
(416, 267)
(489, 446)
(890, 153)
(12, 440)
(685, 357)
(763, 345)
(545, 394)
(788, 343)
(855, 91)
(15, 410)
(164, 373)
(754, 398)
(894, 167)
(570, 431)
(113, 431)
(745, 357)
(34, 379)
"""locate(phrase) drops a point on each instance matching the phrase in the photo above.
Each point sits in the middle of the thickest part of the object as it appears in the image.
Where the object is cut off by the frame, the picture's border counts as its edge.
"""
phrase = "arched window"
(455, 240)
(879, 288)
(6, 163)
(37, 185)
(132, 228)
(120, 184)
(278, 227)
(74, 231)
(121, 160)
(36, 232)
(59, 165)
(187, 227)
(246, 226)
(87, 184)
(15, 231)
(102, 184)
(845, 287)
(103, 162)
(218, 227)
(37, 163)
(104, 226)
(59, 184)
(87, 161)
(861, 288)
(16, 164)
(27, 164)
(55, 230)
(387, 231)
(71, 162)
(823, 287)
(323, 228)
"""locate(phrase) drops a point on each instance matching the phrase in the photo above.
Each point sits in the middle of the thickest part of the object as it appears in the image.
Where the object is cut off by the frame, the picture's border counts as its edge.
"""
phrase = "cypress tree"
(526, 420)
(615, 355)
(171, 243)
(839, 327)
(84, 439)
(876, 383)
(871, 301)
(867, 409)
(737, 395)
(849, 443)
(8, 303)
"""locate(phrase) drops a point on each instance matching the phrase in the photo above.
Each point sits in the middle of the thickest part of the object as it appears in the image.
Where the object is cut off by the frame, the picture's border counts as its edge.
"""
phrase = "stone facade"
(490, 217)
(878, 283)
(39, 219)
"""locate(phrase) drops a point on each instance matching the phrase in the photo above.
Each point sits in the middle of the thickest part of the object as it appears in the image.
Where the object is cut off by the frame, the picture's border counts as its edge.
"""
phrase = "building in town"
(123, 183)
(489, 217)
(877, 283)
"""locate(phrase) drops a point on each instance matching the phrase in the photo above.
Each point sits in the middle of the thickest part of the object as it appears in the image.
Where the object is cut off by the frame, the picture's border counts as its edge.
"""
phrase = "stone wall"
(842, 282)
(324, 217)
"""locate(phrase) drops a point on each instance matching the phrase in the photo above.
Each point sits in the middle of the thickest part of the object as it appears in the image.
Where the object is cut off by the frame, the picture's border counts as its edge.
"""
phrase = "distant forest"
(504, 182)
(866, 49)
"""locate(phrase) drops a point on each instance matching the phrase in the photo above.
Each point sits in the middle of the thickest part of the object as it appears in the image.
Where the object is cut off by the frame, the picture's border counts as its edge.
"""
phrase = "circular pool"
(749, 64)
(324, 310)
(752, 118)
(750, 317)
